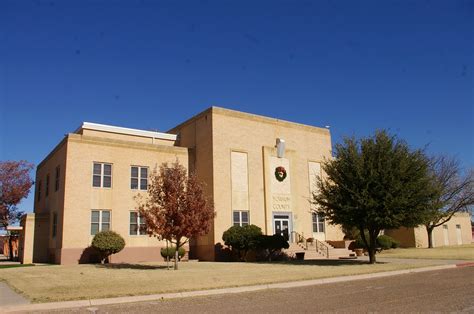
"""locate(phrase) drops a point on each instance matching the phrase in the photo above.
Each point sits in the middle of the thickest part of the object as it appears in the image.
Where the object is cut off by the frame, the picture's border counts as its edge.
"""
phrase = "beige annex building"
(257, 170)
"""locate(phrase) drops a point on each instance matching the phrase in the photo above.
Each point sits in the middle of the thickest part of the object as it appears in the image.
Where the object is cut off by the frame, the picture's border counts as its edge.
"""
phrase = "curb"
(210, 292)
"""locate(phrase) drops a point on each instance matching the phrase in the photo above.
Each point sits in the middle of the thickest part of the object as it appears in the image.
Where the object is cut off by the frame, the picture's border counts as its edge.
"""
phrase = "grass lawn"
(461, 252)
(59, 283)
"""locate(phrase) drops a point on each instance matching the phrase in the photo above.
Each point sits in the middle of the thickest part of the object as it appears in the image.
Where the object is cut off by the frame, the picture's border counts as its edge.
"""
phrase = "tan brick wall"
(216, 132)
(82, 197)
(462, 219)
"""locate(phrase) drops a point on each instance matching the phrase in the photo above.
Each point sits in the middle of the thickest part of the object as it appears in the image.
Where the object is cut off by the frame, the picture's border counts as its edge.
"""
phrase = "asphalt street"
(450, 290)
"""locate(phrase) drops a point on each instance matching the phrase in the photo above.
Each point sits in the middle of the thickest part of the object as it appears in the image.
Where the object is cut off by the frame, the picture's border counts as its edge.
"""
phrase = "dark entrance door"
(282, 226)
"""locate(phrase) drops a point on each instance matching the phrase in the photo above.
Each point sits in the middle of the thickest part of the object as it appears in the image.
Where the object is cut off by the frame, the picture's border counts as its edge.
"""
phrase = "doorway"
(282, 225)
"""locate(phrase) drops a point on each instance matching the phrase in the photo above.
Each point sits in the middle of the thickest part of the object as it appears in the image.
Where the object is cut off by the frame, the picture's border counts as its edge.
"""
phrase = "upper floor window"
(318, 222)
(56, 180)
(102, 175)
(139, 178)
(100, 221)
(240, 218)
(47, 185)
(137, 224)
(39, 191)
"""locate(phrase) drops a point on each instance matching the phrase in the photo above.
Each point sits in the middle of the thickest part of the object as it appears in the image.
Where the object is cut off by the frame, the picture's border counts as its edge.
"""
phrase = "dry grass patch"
(59, 283)
(461, 252)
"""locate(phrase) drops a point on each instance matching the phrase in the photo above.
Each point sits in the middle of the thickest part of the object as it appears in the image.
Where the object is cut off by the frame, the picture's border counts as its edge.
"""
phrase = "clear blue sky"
(354, 65)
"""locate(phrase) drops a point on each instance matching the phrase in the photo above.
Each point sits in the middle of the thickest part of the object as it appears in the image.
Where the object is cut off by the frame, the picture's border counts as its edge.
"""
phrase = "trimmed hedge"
(171, 251)
(108, 243)
(386, 242)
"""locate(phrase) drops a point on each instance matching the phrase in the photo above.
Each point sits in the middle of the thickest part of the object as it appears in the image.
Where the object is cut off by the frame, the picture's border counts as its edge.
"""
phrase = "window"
(47, 185)
(137, 224)
(100, 221)
(102, 175)
(139, 178)
(39, 191)
(55, 224)
(318, 222)
(56, 180)
(241, 218)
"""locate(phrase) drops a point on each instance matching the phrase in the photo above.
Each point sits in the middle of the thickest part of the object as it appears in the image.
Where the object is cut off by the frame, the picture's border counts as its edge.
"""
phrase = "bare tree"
(454, 193)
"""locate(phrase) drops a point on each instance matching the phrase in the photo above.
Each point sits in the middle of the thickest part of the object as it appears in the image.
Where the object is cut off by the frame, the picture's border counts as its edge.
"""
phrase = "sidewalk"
(9, 297)
(154, 297)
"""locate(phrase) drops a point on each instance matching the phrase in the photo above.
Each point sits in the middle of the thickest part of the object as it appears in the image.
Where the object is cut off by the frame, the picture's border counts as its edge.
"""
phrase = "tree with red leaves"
(15, 184)
(175, 208)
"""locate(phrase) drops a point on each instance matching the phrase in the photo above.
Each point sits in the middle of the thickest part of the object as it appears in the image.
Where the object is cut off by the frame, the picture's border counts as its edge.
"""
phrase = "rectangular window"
(56, 181)
(241, 218)
(102, 175)
(318, 222)
(139, 178)
(137, 224)
(47, 185)
(39, 191)
(55, 224)
(100, 221)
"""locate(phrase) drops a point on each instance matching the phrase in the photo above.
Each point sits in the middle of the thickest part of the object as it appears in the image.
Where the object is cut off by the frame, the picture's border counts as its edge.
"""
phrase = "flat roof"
(127, 131)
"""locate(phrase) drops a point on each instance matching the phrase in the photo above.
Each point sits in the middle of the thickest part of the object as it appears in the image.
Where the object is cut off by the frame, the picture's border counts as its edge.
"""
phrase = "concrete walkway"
(8, 297)
(154, 297)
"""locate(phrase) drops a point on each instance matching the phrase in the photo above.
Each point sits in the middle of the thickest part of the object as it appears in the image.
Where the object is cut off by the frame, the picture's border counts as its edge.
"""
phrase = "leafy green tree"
(242, 239)
(108, 243)
(372, 184)
(454, 193)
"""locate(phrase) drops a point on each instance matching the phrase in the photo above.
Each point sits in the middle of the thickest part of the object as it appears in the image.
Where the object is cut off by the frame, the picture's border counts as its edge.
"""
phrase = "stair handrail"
(298, 238)
(322, 247)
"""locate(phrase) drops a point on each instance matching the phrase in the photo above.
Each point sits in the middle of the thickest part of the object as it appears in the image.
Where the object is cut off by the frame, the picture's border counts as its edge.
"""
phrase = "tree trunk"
(372, 247)
(176, 254)
(10, 247)
(429, 229)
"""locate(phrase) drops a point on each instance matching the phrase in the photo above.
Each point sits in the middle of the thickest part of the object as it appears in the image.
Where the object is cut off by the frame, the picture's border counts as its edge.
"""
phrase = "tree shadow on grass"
(130, 266)
(322, 262)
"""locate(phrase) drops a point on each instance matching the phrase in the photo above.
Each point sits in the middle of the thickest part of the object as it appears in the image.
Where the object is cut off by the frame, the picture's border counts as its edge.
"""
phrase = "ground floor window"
(137, 224)
(241, 218)
(100, 221)
(55, 224)
(318, 222)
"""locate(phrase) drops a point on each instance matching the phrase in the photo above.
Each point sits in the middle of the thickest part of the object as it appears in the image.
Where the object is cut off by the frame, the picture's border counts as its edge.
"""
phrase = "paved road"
(441, 291)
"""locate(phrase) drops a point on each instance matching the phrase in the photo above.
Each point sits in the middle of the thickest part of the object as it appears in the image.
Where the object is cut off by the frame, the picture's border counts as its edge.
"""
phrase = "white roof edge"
(128, 131)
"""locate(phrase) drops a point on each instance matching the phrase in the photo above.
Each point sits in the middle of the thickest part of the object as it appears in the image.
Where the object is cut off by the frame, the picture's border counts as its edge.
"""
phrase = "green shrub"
(171, 251)
(395, 244)
(242, 239)
(272, 244)
(385, 242)
(108, 243)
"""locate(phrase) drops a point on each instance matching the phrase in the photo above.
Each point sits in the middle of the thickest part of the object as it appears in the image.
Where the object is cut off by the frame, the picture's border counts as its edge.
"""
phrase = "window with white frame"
(318, 222)
(241, 218)
(137, 224)
(102, 175)
(100, 221)
(139, 178)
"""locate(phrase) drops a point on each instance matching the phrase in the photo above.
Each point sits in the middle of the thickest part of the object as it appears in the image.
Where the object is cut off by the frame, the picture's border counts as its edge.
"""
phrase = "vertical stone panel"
(239, 179)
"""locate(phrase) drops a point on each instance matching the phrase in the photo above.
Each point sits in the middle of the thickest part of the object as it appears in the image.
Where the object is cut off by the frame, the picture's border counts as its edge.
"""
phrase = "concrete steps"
(312, 254)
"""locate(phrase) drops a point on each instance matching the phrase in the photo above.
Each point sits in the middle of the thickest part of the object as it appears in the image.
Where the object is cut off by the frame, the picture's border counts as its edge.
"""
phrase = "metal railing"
(319, 246)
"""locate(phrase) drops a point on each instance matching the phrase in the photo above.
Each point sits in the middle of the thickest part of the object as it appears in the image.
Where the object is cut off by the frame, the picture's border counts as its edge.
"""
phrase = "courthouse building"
(257, 170)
